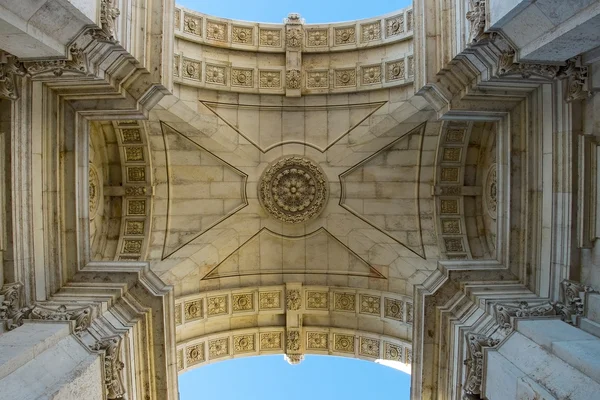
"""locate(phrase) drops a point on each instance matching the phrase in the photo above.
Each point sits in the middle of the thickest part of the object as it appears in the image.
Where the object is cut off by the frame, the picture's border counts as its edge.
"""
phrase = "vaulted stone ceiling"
(375, 230)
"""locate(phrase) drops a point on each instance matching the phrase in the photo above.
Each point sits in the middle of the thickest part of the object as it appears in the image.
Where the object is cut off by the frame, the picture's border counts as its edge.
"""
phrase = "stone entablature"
(293, 58)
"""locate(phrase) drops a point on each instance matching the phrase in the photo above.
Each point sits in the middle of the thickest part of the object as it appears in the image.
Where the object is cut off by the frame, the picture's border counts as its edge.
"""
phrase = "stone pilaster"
(294, 37)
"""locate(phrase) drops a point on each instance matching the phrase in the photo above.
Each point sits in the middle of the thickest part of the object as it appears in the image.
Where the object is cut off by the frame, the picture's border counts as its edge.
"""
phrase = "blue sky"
(314, 11)
(315, 378)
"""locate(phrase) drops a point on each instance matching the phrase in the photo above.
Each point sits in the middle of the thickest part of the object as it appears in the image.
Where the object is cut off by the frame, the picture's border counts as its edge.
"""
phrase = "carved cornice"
(474, 362)
(505, 313)
(571, 305)
(113, 366)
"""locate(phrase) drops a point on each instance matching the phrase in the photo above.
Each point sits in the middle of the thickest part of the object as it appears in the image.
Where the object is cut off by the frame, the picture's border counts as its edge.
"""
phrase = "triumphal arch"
(178, 189)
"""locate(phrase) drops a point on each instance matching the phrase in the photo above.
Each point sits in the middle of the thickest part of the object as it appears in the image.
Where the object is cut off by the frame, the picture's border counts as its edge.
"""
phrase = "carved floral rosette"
(293, 189)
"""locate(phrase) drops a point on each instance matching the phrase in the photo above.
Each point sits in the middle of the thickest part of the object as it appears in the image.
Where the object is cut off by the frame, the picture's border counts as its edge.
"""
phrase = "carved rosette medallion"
(491, 190)
(93, 191)
(293, 189)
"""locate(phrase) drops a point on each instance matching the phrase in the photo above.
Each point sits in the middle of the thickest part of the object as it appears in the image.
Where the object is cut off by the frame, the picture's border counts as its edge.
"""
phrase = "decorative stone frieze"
(293, 341)
(293, 189)
(113, 366)
(108, 18)
(94, 186)
(474, 362)
(506, 312)
(293, 299)
(292, 79)
(293, 37)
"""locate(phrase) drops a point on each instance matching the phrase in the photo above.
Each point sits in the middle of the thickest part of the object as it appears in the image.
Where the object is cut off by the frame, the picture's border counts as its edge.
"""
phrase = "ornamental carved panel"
(270, 341)
(192, 69)
(393, 352)
(192, 24)
(216, 31)
(269, 79)
(217, 305)
(343, 343)
(242, 77)
(216, 74)
(371, 31)
(394, 309)
(317, 79)
(242, 35)
(371, 74)
(369, 347)
(370, 304)
(193, 310)
(194, 354)
(317, 341)
(346, 35)
(269, 300)
(218, 348)
(395, 70)
(243, 343)
(317, 37)
(270, 37)
(345, 77)
(243, 302)
(134, 227)
(317, 300)
(344, 301)
(394, 26)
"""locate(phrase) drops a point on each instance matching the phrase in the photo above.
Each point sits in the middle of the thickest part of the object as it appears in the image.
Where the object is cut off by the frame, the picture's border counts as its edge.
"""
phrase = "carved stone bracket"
(12, 299)
(108, 19)
(476, 17)
(10, 70)
(81, 316)
(474, 362)
(506, 313)
(75, 64)
(113, 366)
(571, 305)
